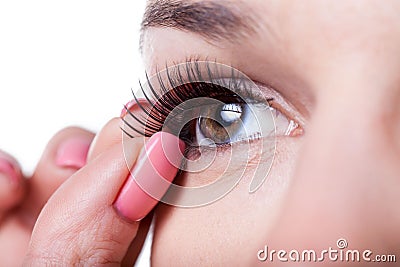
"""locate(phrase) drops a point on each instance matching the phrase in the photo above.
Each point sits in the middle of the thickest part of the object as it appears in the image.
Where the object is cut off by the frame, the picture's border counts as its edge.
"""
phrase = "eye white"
(258, 120)
(231, 113)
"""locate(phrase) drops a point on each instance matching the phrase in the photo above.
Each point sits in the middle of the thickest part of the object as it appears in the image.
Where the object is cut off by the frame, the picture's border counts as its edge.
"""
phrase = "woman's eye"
(210, 104)
(227, 122)
(234, 122)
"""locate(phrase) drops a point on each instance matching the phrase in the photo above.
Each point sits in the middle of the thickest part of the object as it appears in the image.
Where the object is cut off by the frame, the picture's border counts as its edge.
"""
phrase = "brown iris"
(222, 123)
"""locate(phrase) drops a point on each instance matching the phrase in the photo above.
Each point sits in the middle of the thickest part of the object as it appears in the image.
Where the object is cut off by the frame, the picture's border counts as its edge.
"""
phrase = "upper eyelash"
(180, 87)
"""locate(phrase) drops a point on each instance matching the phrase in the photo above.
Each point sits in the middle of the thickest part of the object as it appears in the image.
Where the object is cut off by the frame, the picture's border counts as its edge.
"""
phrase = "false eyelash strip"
(182, 82)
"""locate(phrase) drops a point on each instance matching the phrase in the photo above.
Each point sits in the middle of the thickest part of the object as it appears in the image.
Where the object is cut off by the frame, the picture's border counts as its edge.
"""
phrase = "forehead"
(274, 15)
(308, 36)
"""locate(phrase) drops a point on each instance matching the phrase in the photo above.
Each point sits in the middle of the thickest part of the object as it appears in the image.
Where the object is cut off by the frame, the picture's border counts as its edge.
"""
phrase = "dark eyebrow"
(215, 20)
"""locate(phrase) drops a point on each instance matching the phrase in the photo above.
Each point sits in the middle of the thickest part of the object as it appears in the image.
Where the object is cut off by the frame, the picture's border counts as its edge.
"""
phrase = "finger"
(112, 134)
(12, 183)
(12, 191)
(81, 220)
(108, 136)
(65, 153)
(135, 247)
(113, 131)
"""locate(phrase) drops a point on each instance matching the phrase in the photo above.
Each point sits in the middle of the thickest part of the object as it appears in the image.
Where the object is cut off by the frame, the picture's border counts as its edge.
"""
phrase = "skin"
(336, 64)
(78, 208)
(340, 179)
(26, 198)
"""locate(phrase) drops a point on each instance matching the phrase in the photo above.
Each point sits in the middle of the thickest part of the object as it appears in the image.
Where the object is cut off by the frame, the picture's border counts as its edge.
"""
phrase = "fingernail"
(156, 167)
(72, 153)
(127, 107)
(8, 170)
(131, 104)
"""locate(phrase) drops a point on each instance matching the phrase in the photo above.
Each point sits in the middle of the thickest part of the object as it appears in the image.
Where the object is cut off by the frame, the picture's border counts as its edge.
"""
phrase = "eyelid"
(249, 90)
(264, 94)
(281, 104)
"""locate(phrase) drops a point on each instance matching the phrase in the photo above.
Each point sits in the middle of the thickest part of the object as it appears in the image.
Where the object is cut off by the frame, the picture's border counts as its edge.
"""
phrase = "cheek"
(227, 231)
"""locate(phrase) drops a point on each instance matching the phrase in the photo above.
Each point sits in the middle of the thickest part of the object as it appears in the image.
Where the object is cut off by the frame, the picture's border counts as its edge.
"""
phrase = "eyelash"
(178, 87)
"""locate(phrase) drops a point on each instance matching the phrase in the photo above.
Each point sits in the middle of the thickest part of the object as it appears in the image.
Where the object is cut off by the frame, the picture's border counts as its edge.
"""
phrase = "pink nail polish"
(128, 106)
(8, 170)
(153, 173)
(131, 104)
(72, 153)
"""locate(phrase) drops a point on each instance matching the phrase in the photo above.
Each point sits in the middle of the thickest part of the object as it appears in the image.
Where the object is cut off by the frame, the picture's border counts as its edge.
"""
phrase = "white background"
(64, 63)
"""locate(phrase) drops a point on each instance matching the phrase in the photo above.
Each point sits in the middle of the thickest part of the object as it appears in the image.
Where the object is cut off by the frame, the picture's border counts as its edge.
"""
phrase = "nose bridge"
(341, 157)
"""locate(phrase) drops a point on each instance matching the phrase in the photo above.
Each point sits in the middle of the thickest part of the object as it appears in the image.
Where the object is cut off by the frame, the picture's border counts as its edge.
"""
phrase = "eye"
(227, 123)
(234, 122)
(210, 104)
(218, 111)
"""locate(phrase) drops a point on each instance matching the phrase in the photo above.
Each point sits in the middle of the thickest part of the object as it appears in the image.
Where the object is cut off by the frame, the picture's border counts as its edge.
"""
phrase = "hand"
(92, 218)
(22, 199)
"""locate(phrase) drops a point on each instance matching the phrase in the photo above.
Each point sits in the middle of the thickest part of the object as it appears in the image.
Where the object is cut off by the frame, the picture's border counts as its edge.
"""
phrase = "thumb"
(93, 217)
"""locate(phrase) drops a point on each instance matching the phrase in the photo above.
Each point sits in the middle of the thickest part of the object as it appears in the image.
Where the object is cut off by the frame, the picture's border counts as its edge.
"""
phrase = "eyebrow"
(211, 19)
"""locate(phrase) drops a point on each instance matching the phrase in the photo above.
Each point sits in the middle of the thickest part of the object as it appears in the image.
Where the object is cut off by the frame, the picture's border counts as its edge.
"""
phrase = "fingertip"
(156, 167)
(133, 204)
(64, 154)
(11, 182)
(9, 168)
(66, 150)
(72, 152)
